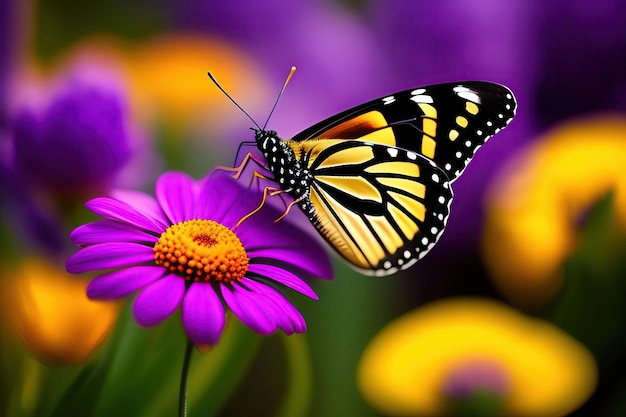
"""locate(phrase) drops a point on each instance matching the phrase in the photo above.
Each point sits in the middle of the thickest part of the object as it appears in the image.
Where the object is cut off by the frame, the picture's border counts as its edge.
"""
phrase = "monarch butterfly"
(374, 180)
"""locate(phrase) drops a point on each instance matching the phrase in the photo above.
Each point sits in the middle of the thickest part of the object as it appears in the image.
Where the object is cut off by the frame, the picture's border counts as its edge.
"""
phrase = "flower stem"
(182, 399)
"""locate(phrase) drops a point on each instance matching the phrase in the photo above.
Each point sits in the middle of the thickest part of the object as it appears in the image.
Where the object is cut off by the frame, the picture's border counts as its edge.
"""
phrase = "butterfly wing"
(445, 123)
(380, 207)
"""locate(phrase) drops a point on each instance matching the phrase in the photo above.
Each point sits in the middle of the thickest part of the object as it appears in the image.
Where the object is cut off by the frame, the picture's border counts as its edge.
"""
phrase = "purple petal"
(159, 300)
(286, 315)
(109, 231)
(123, 282)
(79, 141)
(244, 306)
(293, 258)
(119, 210)
(217, 200)
(262, 308)
(146, 202)
(174, 192)
(260, 233)
(108, 255)
(284, 277)
(203, 314)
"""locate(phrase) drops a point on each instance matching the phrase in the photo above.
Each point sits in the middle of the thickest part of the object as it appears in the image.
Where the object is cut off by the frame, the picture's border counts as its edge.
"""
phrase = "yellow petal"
(49, 311)
(534, 204)
(403, 369)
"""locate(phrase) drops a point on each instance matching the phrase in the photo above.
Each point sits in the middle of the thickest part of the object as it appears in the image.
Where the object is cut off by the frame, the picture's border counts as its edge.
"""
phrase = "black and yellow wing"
(445, 123)
(380, 207)
(374, 180)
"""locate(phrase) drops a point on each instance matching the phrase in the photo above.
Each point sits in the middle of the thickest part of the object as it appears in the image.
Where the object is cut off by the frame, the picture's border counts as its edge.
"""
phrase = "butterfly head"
(266, 140)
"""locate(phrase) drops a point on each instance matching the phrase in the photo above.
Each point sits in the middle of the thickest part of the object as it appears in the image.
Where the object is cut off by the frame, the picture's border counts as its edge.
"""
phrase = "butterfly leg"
(238, 170)
(267, 191)
(289, 206)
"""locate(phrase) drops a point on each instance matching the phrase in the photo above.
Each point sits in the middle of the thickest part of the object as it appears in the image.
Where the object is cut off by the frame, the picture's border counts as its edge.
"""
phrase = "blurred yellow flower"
(172, 71)
(167, 76)
(409, 368)
(534, 205)
(49, 311)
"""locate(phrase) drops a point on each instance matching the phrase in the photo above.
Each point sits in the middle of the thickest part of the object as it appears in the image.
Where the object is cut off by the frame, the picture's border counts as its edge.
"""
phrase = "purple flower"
(76, 142)
(189, 247)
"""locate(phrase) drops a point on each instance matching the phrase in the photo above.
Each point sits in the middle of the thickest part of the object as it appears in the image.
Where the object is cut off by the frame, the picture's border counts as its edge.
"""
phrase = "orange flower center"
(202, 251)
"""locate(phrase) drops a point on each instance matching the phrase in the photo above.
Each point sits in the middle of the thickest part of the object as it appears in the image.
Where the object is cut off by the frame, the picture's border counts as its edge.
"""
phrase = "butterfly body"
(375, 180)
(289, 170)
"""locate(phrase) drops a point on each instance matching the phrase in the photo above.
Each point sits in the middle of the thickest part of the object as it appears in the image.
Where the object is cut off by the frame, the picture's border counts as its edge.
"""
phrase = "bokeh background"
(537, 222)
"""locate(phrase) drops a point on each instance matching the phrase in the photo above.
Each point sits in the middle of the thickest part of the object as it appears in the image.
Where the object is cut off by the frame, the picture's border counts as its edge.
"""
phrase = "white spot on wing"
(422, 99)
(468, 95)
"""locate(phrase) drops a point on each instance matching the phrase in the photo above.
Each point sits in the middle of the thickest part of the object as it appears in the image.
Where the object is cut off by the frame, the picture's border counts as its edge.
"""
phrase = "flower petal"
(109, 231)
(245, 307)
(305, 251)
(262, 308)
(293, 259)
(159, 300)
(108, 255)
(287, 316)
(203, 314)
(221, 199)
(282, 276)
(174, 192)
(145, 201)
(111, 208)
(123, 282)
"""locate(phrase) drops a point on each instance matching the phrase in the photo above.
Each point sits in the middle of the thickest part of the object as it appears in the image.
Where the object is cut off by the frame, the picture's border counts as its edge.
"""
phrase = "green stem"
(182, 399)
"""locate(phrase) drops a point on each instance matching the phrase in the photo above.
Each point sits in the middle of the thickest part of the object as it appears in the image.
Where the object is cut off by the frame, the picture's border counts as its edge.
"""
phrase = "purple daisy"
(189, 248)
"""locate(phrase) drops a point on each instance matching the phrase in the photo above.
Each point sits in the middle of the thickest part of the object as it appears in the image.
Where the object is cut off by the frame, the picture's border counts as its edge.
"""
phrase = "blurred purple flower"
(9, 16)
(186, 247)
(78, 141)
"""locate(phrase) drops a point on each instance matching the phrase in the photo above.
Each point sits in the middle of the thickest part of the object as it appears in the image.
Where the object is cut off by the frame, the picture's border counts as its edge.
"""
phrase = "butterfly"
(375, 180)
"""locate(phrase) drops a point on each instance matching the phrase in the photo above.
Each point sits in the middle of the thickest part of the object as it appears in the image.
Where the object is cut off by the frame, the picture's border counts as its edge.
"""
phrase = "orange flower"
(49, 311)
(534, 205)
(438, 355)
(167, 77)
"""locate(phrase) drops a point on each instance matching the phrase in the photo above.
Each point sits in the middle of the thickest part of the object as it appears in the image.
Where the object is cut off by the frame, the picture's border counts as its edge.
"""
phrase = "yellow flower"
(167, 77)
(535, 368)
(533, 206)
(49, 311)
(172, 71)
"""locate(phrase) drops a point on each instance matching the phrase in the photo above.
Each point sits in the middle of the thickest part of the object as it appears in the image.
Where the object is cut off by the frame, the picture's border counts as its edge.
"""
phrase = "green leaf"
(590, 307)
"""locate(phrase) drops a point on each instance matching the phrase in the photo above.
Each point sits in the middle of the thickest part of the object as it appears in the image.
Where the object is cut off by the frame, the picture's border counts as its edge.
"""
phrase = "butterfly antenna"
(282, 90)
(233, 100)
